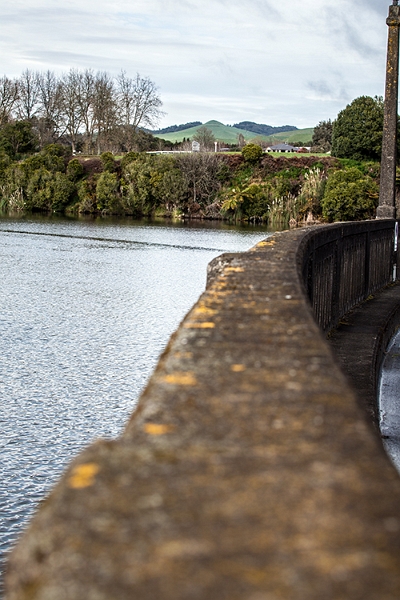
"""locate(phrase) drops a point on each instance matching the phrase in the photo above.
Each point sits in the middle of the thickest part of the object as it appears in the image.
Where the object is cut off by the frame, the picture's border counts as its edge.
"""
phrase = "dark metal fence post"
(387, 204)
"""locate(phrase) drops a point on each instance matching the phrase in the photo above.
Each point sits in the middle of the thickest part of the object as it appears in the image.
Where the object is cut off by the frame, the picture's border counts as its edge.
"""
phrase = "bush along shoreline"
(250, 186)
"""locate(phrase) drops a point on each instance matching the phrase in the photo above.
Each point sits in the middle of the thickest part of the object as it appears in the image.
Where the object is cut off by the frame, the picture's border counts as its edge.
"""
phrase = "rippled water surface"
(86, 309)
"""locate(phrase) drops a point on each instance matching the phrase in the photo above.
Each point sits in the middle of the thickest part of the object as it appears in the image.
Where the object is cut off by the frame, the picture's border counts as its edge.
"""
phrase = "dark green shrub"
(349, 195)
(108, 162)
(151, 182)
(52, 158)
(5, 162)
(62, 191)
(252, 153)
(18, 139)
(128, 158)
(39, 190)
(74, 170)
(87, 195)
(107, 192)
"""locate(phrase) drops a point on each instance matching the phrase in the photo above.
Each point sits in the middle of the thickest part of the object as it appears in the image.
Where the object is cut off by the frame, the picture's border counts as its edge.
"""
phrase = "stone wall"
(247, 472)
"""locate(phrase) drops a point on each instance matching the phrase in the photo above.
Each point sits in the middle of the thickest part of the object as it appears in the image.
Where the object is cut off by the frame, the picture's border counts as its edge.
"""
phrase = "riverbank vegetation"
(251, 186)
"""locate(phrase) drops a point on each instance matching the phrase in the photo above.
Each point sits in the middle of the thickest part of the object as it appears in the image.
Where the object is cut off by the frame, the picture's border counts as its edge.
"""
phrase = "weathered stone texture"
(387, 204)
(247, 472)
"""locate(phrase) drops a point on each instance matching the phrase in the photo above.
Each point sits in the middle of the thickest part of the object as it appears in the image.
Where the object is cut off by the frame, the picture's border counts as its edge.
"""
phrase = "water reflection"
(87, 307)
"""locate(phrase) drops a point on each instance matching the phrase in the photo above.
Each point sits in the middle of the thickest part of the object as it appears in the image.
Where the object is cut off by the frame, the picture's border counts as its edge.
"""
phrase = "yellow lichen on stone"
(234, 270)
(199, 325)
(238, 368)
(203, 310)
(83, 476)
(183, 354)
(185, 378)
(262, 244)
(158, 428)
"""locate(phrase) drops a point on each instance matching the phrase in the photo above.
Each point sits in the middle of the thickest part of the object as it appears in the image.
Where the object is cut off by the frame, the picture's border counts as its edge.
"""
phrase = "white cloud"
(278, 63)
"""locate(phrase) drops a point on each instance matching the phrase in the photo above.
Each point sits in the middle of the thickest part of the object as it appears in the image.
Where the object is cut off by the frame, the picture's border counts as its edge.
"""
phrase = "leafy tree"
(18, 138)
(357, 131)
(205, 137)
(322, 137)
(252, 153)
(349, 195)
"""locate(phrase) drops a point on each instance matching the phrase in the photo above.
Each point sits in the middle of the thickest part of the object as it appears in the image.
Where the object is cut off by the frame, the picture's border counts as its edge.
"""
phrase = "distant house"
(282, 148)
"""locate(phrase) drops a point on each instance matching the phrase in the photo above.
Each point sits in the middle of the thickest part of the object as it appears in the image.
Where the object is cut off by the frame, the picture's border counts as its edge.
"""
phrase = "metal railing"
(344, 264)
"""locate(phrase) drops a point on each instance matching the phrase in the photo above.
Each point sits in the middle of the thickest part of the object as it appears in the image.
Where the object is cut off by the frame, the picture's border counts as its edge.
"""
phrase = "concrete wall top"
(247, 472)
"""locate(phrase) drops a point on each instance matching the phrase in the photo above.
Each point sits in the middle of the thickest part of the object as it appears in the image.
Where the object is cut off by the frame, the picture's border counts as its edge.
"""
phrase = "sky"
(277, 62)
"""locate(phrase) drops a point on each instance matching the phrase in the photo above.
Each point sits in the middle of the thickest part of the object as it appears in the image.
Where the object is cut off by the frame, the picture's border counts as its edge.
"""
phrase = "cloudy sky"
(270, 61)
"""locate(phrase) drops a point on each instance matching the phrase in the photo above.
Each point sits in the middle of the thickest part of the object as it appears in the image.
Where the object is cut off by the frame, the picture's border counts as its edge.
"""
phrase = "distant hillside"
(229, 134)
(223, 133)
(299, 135)
(260, 129)
(174, 128)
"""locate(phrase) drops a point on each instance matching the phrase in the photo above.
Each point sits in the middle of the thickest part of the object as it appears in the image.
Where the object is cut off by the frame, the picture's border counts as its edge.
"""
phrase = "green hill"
(299, 135)
(229, 135)
(223, 133)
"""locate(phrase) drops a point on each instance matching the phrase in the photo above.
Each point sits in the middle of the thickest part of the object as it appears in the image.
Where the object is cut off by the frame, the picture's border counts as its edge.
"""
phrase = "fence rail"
(344, 264)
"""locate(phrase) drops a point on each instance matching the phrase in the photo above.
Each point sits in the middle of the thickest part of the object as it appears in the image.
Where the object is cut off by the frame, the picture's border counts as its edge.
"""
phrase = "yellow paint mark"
(186, 378)
(234, 270)
(203, 325)
(83, 476)
(158, 428)
(238, 368)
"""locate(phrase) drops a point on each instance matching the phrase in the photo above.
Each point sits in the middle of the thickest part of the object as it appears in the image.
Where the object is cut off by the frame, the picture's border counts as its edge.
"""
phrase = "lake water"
(86, 308)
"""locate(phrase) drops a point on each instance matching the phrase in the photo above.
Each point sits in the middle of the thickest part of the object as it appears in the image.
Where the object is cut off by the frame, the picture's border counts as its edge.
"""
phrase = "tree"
(205, 137)
(349, 195)
(8, 98)
(50, 124)
(139, 105)
(322, 137)
(18, 138)
(200, 172)
(71, 108)
(28, 96)
(357, 131)
(104, 109)
(86, 100)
